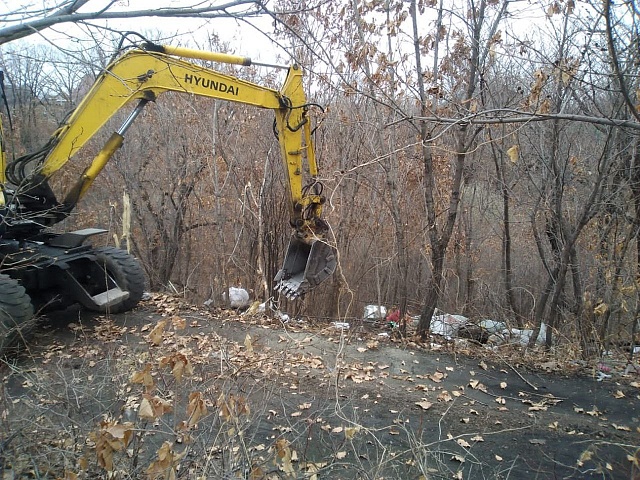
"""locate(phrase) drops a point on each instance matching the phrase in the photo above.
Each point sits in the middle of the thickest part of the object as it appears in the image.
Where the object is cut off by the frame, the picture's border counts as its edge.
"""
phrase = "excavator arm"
(141, 75)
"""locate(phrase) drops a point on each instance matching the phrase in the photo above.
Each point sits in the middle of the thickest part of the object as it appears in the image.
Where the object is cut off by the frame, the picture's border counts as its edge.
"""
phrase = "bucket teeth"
(290, 288)
(305, 266)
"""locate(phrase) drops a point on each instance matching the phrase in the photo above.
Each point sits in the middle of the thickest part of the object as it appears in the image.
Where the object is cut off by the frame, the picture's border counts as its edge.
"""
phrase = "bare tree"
(22, 22)
(471, 58)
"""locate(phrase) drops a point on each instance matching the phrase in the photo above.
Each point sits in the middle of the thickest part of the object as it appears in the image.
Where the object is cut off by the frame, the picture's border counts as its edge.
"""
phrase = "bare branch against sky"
(22, 21)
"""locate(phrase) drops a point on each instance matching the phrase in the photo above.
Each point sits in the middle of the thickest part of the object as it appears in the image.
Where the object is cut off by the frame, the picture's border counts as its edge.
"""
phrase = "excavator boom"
(136, 77)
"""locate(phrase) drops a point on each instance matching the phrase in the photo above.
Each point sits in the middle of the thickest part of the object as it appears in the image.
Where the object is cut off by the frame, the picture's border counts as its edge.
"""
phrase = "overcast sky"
(244, 39)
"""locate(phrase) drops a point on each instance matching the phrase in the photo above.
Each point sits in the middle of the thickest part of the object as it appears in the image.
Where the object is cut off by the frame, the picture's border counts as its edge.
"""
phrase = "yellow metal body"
(140, 76)
(145, 74)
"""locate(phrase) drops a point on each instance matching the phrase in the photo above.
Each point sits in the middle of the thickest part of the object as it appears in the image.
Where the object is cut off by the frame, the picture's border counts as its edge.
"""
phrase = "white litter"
(493, 326)
(238, 297)
(522, 336)
(373, 312)
(447, 325)
(341, 325)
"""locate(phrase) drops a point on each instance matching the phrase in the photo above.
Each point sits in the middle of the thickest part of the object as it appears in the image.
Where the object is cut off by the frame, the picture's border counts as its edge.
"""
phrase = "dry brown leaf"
(584, 457)
(350, 432)
(444, 396)
(594, 412)
(514, 153)
(257, 473)
(476, 385)
(144, 377)
(178, 322)
(196, 408)
(424, 404)
(232, 407)
(166, 463)
(153, 407)
(312, 469)
(179, 363)
(463, 443)
(146, 410)
(601, 308)
(537, 407)
(621, 427)
(110, 438)
(248, 345)
(544, 107)
(155, 335)
(283, 452)
(121, 431)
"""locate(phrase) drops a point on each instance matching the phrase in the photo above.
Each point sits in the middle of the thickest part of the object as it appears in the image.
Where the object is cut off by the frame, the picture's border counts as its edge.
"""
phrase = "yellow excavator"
(41, 270)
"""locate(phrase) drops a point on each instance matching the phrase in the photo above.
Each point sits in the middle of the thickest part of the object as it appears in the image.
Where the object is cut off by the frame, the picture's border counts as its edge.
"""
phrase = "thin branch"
(69, 14)
(519, 117)
(615, 63)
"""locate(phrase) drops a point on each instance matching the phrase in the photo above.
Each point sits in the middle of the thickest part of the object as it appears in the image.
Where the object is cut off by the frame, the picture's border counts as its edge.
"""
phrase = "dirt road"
(304, 400)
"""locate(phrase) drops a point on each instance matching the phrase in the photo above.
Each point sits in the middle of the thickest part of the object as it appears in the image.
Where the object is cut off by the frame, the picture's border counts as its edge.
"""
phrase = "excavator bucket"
(305, 266)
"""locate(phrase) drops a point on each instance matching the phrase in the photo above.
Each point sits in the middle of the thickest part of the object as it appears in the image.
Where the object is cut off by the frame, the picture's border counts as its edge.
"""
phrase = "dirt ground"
(304, 401)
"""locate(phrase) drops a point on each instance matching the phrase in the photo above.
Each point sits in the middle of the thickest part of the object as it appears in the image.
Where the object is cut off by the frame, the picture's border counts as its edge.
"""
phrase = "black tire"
(16, 314)
(125, 269)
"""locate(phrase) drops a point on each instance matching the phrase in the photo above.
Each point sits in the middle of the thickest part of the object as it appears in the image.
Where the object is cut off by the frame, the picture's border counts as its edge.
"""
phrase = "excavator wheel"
(16, 314)
(127, 273)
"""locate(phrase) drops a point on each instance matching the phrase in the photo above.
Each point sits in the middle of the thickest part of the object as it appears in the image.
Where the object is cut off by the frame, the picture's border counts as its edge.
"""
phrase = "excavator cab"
(305, 266)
